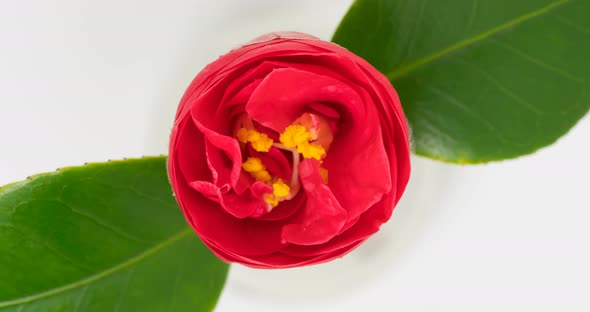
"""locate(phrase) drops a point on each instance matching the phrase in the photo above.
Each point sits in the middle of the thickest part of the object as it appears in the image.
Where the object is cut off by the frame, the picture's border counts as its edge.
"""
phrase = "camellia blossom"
(288, 151)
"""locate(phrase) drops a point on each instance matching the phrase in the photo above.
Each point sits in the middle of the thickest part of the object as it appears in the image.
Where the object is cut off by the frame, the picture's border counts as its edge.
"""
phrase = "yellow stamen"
(280, 188)
(242, 135)
(253, 164)
(272, 200)
(260, 142)
(295, 135)
(262, 176)
(298, 136)
(310, 150)
(256, 169)
(280, 191)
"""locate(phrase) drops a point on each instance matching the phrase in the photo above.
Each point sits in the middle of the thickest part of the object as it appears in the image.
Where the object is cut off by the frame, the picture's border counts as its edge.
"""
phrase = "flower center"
(309, 136)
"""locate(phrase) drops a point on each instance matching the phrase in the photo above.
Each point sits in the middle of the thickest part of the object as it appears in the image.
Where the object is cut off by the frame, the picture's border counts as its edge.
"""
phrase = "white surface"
(91, 80)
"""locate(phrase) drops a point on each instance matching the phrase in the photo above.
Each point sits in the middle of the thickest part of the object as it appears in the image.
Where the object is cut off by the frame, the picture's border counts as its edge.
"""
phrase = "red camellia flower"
(288, 151)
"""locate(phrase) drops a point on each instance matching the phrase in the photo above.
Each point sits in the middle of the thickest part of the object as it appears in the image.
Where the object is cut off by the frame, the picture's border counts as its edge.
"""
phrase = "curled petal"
(322, 217)
(247, 237)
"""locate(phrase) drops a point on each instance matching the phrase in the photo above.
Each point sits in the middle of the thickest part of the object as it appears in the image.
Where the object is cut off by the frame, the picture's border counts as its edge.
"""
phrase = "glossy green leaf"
(102, 237)
(479, 80)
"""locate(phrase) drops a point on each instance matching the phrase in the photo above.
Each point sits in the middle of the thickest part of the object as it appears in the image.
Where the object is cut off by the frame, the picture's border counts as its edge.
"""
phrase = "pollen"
(280, 188)
(262, 176)
(272, 200)
(280, 191)
(298, 136)
(253, 164)
(260, 142)
(256, 169)
(295, 135)
(311, 150)
(242, 135)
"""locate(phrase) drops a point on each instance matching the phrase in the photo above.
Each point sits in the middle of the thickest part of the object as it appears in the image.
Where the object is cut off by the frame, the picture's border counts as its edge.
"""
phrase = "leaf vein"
(125, 290)
(536, 61)
(79, 301)
(416, 28)
(457, 103)
(129, 188)
(472, 15)
(524, 103)
(179, 271)
(103, 224)
(101, 275)
(404, 70)
(580, 28)
(47, 247)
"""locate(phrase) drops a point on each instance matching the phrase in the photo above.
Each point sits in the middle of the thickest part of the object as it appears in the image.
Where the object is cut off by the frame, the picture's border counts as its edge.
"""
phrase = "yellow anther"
(253, 164)
(260, 141)
(256, 169)
(295, 135)
(262, 176)
(280, 191)
(280, 188)
(272, 200)
(310, 150)
(298, 136)
(324, 175)
(242, 135)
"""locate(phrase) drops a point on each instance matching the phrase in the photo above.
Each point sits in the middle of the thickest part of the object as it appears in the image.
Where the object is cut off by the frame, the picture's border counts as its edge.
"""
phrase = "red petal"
(241, 206)
(359, 168)
(279, 260)
(286, 209)
(223, 156)
(397, 138)
(285, 94)
(367, 224)
(247, 237)
(275, 162)
(323, 217)
(190, 152)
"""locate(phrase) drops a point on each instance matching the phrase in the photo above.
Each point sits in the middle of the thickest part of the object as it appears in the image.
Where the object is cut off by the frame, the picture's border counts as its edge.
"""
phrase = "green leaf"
(480, 80)
(102, 237)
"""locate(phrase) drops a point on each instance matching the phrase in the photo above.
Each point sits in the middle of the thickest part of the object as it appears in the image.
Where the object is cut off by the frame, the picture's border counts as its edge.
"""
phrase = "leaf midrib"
(404, 70)
(101, 275)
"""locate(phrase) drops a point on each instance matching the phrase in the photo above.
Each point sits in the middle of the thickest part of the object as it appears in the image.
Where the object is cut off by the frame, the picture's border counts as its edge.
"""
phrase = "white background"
(95, 80)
